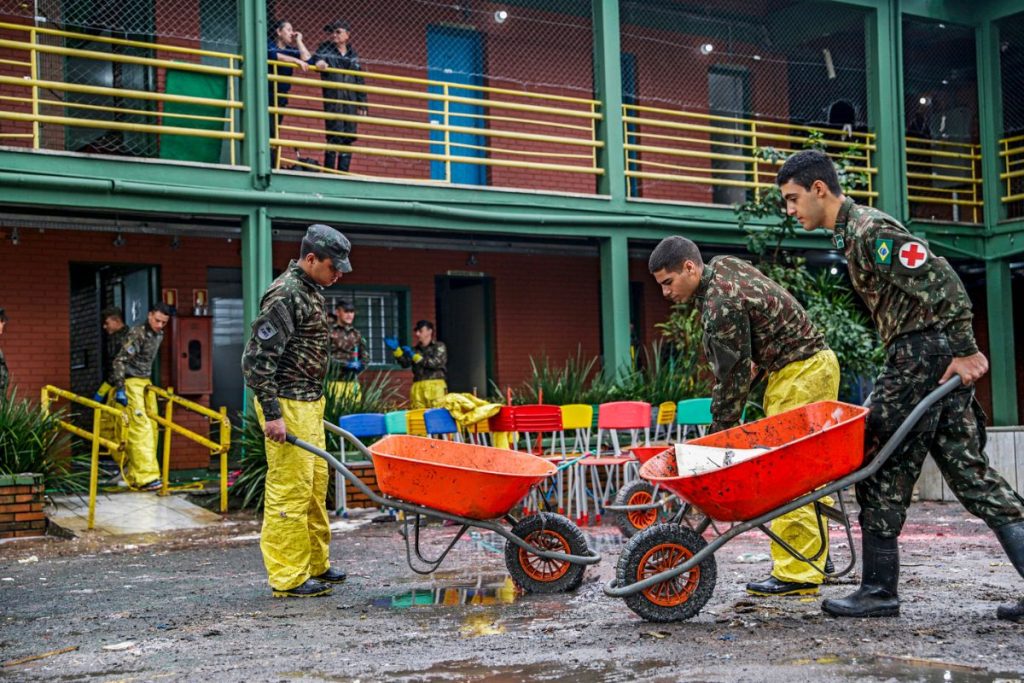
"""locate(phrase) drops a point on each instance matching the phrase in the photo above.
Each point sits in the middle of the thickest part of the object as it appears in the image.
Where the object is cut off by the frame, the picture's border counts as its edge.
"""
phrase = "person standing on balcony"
(923, 315)
(751, 321)
(284, 364)
(284, 44)
(4, 374)
(337, 53)
(132, 368)
(429, 363)
(347, 351)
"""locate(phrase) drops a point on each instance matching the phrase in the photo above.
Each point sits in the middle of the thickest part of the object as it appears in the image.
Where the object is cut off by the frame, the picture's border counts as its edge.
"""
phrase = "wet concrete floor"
(194, 605)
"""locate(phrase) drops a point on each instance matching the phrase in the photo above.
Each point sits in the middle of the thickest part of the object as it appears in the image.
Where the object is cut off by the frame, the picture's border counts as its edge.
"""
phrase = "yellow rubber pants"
(110, 426)
(341, 388)
(797, 384)
(139, 464)
(296, 535)
(427, 393)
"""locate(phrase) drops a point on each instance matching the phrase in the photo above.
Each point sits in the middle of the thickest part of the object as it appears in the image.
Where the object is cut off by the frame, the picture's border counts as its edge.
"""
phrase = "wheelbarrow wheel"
(631, 521)
(658, 549)
(546, 531)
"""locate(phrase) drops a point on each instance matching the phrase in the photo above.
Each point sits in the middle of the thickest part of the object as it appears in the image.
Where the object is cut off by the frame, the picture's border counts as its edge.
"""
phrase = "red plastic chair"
(612, 418)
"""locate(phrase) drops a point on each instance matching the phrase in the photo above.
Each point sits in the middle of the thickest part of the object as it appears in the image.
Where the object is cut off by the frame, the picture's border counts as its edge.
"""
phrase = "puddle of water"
(484, 591)
(550, 672)
(895, 668)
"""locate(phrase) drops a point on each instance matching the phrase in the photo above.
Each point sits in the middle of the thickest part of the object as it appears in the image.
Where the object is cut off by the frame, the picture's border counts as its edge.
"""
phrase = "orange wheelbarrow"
(472, 486)
(639, 504)
(667, 572)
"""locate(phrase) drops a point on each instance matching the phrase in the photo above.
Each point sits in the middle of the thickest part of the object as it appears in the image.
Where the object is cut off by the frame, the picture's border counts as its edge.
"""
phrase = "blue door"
(455, 55)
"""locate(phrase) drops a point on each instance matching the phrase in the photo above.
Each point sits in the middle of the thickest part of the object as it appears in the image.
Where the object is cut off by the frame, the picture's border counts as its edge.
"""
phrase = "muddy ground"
(195, 606)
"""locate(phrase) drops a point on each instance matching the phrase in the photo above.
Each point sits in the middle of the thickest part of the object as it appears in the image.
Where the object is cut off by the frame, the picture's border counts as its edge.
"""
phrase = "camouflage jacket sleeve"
(405, 360)
(728, 349)
(435, 357)
(271, 331)
(934, 285)
(127, 357)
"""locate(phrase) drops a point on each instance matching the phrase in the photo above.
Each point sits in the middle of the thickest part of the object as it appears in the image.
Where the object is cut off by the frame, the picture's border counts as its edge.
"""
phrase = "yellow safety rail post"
(48, 393)
(757, 168)
(34, 74)
(1013, 164)
(447, 136)
(167, 422)
(232, 144)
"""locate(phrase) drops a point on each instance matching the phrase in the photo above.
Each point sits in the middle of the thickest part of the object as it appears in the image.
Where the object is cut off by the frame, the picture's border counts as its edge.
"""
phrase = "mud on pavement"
(196, 606)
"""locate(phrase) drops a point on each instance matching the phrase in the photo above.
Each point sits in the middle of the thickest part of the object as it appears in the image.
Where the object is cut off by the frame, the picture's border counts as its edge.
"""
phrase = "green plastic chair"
(396, 422)
(692, 412)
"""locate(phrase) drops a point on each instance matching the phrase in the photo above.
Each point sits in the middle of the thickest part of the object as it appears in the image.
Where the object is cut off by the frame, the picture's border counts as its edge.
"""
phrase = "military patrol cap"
(335, 25)
(330, 243)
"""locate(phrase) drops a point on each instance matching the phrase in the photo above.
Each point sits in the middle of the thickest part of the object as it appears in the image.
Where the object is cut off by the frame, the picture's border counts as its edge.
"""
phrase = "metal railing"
(945, 175)
(39, 95)
(51, 393)
(422, 119)
(710, 151)
(219, 447)
(1012, 154)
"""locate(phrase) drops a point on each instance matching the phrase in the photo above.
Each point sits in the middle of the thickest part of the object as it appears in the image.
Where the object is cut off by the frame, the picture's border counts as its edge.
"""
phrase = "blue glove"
(121, 397)
(391, 342)
(355, 365)
(98, 397)
(407, 351)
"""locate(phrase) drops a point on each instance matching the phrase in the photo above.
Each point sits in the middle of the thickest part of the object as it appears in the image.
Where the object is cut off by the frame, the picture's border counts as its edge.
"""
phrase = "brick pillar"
(21, 505)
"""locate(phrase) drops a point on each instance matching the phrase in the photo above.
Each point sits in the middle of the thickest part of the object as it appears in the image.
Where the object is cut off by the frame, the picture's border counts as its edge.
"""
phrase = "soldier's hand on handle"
(275, 430)
(970, 368)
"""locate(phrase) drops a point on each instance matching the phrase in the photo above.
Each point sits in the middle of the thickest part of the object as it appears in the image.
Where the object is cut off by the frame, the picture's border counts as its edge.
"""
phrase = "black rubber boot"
(330, 160)
(1011, 536)
(877, 595)
(332, 575)
(310, 589)
(344, 161)
(772, 586)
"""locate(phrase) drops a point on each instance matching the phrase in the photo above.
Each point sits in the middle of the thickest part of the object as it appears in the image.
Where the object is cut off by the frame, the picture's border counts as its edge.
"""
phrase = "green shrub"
(32, 441)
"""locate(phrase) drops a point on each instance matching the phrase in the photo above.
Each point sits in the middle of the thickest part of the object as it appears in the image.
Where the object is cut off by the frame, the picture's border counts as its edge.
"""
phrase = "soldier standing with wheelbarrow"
(923, 315)
(749, 318)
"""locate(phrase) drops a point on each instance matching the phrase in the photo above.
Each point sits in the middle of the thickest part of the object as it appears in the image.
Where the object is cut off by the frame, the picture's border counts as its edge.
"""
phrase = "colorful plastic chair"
(695, 414)
(439, 422)
(362, 426)
(397, 422)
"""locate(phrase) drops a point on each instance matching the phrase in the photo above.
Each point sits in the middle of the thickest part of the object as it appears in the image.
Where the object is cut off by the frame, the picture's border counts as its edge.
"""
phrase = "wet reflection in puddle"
(484, 591)
(602, 540)
(896, 668)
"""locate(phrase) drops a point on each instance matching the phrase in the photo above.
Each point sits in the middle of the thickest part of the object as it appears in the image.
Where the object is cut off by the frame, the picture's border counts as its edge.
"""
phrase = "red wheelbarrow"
(472, 486)
(668, 571)
(640, 504)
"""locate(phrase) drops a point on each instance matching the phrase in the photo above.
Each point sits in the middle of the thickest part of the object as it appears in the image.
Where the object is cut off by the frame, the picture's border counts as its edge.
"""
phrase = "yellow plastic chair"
(417, 425)
(577, 418)
(666, 418)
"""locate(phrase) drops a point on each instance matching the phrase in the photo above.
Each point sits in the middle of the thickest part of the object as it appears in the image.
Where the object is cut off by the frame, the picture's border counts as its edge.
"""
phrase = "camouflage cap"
(330, 243)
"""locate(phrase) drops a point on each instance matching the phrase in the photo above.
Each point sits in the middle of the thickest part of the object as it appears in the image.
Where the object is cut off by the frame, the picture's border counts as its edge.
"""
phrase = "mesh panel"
(941, 105)
(1011, 35)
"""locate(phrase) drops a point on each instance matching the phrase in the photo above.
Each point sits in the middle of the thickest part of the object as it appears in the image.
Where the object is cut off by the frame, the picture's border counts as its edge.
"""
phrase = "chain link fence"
(1011, 58)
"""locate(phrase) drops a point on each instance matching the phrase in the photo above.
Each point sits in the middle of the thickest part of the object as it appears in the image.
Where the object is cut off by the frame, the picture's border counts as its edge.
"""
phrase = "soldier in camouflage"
(347, 350)
(284, 364)
(130, 375)
(923, 315)
(4, 374)
(749, 322)
(116, 331)
(429, 363)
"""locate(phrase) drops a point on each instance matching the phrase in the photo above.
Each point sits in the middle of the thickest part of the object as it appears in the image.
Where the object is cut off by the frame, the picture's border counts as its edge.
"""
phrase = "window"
(380, 312)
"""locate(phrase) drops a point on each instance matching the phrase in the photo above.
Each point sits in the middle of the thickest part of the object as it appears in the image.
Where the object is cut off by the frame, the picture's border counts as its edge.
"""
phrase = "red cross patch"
(913, 255)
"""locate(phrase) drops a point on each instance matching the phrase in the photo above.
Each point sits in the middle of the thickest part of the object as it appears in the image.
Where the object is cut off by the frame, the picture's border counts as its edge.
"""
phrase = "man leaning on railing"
(337, 53)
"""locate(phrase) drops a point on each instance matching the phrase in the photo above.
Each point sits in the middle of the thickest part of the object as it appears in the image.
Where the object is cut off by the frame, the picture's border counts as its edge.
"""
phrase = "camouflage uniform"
(346, 346)
(923, 315)
(115, 342)
(287, 354)
(434, 364)
(138, 351)
(748, 317)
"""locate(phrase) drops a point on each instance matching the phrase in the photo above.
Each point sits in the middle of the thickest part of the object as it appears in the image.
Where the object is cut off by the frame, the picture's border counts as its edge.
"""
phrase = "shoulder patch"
(130, 348)
(883, 252)
(912, 254)
(266, 330)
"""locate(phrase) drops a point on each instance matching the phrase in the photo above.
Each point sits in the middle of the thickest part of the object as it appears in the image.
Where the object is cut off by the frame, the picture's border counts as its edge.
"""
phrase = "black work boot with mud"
(310, 589)
(332, 575)
(772, 586)
(877, 595)
(1011, 536)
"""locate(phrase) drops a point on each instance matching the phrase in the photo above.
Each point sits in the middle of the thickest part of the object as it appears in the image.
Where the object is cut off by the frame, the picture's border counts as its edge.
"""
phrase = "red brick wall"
(21, 506)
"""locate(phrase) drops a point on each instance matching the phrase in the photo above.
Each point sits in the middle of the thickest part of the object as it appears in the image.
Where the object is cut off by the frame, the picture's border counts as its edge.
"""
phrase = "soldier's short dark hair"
(672, 252)
(420, 324)
(309, 248)
(803, 168)
(345, 305)
(161, 307)
(112, 312)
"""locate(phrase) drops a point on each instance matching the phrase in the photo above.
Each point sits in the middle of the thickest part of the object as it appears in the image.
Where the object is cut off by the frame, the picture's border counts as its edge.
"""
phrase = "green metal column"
(990, 120)
(883, 30)
(608, 89)
(615, 303)
(999, 295)
(257, 252)
(256, 145)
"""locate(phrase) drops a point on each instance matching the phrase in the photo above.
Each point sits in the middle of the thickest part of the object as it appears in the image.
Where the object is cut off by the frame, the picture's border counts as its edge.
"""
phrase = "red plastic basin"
(808, 446)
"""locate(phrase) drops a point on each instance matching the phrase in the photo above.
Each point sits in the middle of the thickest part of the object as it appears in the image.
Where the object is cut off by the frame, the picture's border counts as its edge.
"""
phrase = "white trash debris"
(692, 459)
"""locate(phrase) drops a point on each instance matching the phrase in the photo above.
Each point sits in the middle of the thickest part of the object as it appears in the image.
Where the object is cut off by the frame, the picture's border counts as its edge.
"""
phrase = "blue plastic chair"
(440, 422)
(693, 412)
(397, 422)
(361, 426)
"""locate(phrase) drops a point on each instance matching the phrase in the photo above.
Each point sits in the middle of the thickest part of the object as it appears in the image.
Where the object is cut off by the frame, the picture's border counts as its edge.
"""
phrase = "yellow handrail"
(48, 394)
(1012, 153)
(955, 165)
(219, 447)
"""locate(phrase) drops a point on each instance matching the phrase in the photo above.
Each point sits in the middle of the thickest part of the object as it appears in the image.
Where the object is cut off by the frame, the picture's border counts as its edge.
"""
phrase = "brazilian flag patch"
(883, 252)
